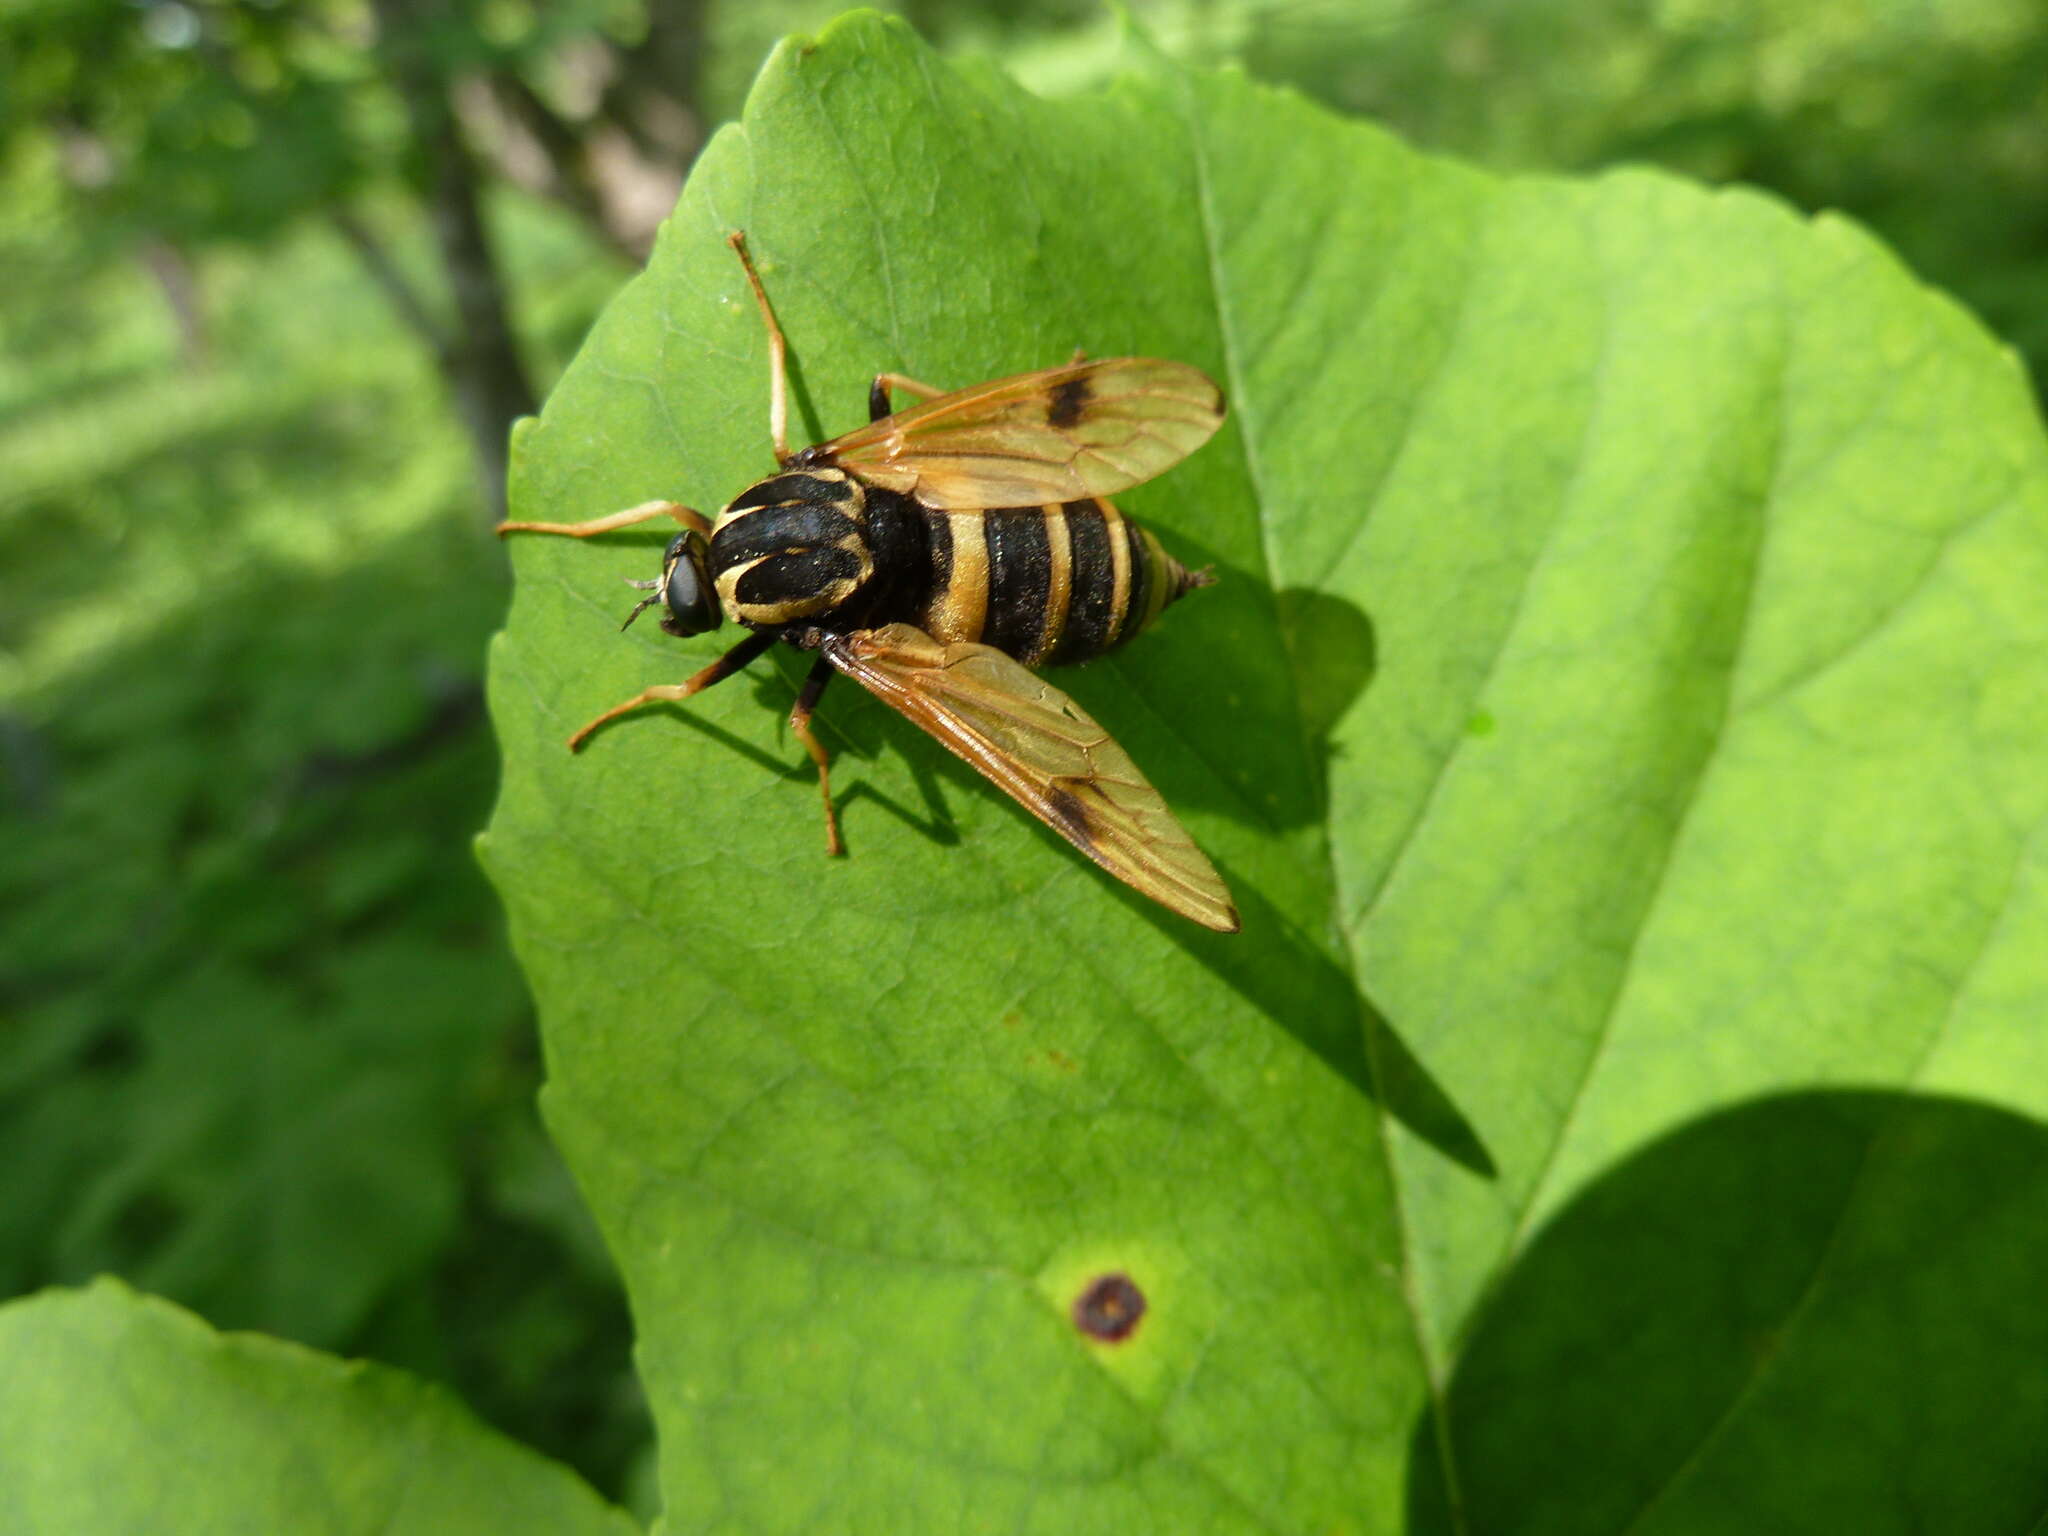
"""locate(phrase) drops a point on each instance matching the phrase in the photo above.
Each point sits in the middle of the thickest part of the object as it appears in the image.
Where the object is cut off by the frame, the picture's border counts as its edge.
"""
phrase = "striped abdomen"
(1048, 585)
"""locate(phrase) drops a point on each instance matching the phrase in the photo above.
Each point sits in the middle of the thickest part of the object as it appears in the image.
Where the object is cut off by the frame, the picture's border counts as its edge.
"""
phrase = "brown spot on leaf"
(1110, 1308)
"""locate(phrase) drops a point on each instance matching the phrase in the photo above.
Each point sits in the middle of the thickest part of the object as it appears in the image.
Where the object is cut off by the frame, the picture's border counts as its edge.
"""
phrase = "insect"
(934, 555)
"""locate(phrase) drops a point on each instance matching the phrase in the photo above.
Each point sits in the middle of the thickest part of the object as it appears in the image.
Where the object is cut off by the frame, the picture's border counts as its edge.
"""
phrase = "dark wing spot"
(1110, 1308)
(1069, 815)
(1068, 401)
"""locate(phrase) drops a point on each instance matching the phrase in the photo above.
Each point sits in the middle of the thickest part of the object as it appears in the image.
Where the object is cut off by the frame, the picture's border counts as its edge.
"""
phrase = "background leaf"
(1622, 707)
(120, 1412)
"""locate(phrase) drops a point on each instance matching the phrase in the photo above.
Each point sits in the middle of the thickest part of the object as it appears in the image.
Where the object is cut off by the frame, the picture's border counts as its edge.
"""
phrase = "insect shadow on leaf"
(1334, 651)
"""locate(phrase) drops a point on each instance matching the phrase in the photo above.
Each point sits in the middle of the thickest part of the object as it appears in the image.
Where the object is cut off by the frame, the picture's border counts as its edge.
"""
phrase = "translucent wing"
(1040, 747)
(1061, 434)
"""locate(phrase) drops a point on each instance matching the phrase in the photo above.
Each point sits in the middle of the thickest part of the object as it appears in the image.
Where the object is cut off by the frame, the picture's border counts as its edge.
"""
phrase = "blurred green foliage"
(220, 119)
(261, 1046)
(263, 1049)
(1927, 122)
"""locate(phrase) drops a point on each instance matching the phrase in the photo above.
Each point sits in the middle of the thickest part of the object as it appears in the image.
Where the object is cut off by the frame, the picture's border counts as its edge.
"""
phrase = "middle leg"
(675, 693)
(878, 393)
(800, 722)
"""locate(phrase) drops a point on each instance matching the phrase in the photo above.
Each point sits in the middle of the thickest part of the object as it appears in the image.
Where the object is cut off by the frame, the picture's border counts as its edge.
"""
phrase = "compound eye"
(686, 589)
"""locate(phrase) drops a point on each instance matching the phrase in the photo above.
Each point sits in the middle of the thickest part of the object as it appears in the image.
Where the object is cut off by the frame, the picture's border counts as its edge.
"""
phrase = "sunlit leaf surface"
(1621, 718)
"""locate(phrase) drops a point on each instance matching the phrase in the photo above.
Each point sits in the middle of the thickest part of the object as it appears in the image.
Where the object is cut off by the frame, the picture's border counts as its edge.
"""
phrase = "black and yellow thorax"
(1046, 585)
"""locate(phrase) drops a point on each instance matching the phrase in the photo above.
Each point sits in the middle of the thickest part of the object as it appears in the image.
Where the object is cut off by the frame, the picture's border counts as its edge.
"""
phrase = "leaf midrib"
(1232, 354)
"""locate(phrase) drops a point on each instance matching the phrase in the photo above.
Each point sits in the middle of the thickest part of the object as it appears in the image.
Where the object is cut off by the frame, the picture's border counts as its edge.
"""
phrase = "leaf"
(1620, 717)
(120, 1412)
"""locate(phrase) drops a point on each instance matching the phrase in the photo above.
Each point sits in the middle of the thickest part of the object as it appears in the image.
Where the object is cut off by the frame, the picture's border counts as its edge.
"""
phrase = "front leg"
(689, 517)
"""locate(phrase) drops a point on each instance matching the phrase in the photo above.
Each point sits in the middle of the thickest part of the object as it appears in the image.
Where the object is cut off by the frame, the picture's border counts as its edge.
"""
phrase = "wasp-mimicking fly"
(936, 553)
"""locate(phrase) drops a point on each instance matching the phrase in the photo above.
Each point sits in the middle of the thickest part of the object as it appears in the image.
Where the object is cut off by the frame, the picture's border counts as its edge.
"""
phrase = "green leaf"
(120, 1412)
(1620, 717)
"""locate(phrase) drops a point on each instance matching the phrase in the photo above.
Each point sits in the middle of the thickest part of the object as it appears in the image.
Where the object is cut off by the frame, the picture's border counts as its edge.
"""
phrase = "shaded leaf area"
(120, 1412)
(1719, 1333)
(265, 1050)
(1622, 700)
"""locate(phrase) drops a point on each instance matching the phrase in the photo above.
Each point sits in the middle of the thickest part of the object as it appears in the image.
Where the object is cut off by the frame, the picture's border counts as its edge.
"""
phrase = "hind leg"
(675, 693)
